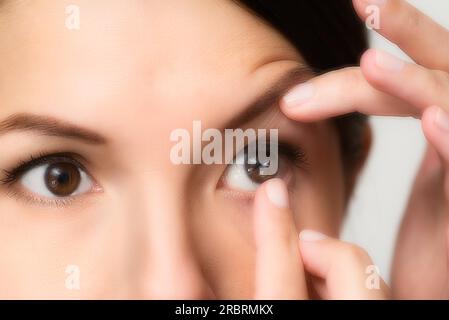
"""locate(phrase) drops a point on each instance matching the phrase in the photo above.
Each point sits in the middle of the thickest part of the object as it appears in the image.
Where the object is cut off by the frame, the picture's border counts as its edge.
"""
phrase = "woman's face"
(96, 107)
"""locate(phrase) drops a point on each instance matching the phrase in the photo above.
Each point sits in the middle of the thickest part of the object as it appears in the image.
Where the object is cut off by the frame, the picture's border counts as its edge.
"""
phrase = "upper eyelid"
(295, 153)
(43, 158)
(298, 155)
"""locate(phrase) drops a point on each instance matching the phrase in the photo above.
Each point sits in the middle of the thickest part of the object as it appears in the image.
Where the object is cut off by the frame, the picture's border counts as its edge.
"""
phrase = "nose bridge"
(168, 268)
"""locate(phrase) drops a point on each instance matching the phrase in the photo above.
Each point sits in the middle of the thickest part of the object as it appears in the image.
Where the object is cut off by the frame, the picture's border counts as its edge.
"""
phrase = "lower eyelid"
(31, 199)
(246, 198)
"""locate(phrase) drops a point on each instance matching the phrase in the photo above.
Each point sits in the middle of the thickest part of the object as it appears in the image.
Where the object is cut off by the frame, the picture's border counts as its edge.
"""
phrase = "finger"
(412, 83)
(419, 237)
(279, 270)
(368, 90)
(340, 92)
(410, 29)
(346, 269)
(435, 124)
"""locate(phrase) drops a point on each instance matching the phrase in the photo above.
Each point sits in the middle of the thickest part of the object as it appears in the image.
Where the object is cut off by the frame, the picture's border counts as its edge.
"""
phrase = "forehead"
(179, 57)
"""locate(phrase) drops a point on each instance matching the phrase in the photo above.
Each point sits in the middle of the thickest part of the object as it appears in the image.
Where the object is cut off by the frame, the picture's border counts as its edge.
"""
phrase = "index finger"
(424, 40)
(279, 269)
(341, 92)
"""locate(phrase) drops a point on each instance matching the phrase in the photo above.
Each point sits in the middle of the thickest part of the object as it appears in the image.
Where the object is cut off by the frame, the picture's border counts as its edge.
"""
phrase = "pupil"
(254, 170)
(62, 179)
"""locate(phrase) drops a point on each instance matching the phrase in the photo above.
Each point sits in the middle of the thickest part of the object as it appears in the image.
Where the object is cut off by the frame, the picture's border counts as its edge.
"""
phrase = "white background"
(381, 196)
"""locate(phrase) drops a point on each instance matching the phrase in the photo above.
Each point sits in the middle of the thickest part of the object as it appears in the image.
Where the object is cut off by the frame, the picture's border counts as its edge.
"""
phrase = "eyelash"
(12, 176)
(295, 154)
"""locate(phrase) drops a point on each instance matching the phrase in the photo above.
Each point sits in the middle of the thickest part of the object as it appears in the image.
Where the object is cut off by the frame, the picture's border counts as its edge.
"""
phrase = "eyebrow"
(271, 97)
(49, 126)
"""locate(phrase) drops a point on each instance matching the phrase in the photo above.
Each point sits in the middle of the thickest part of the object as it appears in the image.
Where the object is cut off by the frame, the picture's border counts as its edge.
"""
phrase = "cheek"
(44, 251)
(223, 237)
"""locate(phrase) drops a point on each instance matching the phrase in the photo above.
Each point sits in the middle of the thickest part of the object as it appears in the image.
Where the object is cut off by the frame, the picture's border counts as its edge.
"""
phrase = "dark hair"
(328, 35)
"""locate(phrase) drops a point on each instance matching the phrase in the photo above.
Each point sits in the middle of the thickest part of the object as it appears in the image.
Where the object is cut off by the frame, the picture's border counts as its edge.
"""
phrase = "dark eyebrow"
(272, 96)
(49, 126)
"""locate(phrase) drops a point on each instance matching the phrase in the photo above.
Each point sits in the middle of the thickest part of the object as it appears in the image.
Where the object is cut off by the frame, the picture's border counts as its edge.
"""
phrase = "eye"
(246, 173)
(50, 179)
(55, 180)
(237, 176)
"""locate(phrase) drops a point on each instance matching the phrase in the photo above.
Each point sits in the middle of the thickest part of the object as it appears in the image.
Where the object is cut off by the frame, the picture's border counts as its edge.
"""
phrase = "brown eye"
(55, 176)
(253, 172)
(62, 179)
(246, 173)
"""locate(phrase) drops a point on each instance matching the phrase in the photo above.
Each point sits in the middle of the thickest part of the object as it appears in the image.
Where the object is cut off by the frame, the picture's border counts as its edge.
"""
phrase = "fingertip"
(427, 121)
(313, 251)
(311, 236)
(359, 7)
(310, 242)
(387, 73)
(294, 103)
(368, 65)
(271, 208)
(364, 8)
(285, 109)
(369, 56)
(277, 193)
(435, 125)
(273, 192)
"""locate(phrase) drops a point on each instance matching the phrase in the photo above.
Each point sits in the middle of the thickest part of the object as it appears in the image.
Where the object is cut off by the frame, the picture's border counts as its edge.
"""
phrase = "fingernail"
(277, 193)
(310, 235)
(388, 62)
(375, 2)
(299, 95)
(442, 119)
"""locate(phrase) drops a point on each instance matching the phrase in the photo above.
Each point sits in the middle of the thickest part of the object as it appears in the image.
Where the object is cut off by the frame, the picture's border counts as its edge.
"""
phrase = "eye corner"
(7, 177)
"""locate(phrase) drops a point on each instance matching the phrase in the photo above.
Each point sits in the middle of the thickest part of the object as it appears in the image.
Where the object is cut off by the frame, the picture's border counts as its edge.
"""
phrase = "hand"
(385, 85)
(336, 270)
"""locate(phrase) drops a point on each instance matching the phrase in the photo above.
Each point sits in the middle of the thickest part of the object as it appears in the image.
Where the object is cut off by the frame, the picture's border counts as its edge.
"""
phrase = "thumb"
(341, 270)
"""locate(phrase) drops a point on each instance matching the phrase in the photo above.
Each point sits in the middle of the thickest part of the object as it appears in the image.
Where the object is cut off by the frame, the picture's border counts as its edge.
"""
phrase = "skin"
(135, 71)
(421, 90)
